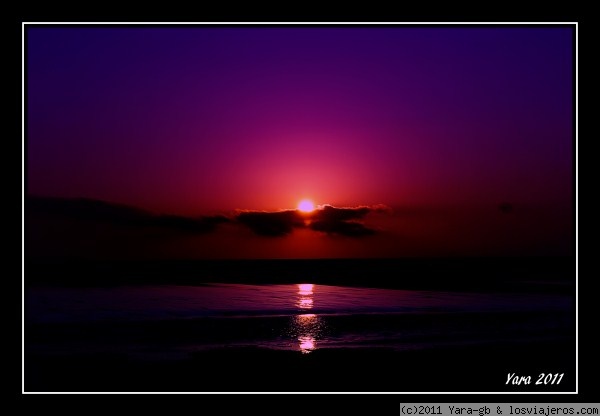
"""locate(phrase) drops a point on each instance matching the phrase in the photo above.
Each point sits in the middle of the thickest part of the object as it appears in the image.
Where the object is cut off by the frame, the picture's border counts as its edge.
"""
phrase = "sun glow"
(306, 205)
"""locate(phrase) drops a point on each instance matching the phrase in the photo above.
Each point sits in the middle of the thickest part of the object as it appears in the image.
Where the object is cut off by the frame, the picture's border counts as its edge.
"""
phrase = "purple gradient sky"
(198, 119)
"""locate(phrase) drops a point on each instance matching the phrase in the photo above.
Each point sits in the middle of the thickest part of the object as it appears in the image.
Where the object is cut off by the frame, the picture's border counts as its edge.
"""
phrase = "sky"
(445, 122)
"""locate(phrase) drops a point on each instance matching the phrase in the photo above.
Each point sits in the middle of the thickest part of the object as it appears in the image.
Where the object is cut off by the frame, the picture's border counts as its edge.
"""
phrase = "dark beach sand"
(474, 368)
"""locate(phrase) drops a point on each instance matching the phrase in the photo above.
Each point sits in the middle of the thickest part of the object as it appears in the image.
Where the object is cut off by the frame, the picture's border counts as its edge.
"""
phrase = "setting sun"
(306, 206)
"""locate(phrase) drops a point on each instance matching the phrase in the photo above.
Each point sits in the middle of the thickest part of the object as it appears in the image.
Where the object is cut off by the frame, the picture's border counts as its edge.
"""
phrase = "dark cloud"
(330, 214)
(87, 209)
(343, 221)
(92, 210)
(271, 224)
(327, 219)
(192, 225)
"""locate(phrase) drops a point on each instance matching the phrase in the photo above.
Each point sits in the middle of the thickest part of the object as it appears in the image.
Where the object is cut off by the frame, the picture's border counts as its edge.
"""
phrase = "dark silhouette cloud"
(327, 219)
(344, 221)
(87, 209)
(91, 210)
(192, 225)
(271, 224)
(330, 214)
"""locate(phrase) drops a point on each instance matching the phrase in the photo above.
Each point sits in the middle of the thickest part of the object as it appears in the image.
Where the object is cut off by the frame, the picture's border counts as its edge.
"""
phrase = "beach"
(297, 337)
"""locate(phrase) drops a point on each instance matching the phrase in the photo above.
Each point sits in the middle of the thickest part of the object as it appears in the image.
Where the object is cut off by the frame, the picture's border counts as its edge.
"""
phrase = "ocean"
(140, 327)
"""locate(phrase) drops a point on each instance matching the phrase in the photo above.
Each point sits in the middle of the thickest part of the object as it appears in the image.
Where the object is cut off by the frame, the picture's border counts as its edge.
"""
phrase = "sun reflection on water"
(305, 303)
(306, 326)
(307, 344)
(305, 296)
(305, 289)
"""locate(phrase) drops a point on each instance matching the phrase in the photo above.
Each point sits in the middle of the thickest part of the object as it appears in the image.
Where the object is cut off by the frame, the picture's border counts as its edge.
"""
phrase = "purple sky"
(193, 120)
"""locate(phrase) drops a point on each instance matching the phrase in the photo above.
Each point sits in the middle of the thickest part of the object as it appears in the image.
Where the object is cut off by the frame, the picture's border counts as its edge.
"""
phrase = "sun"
(306, 205)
